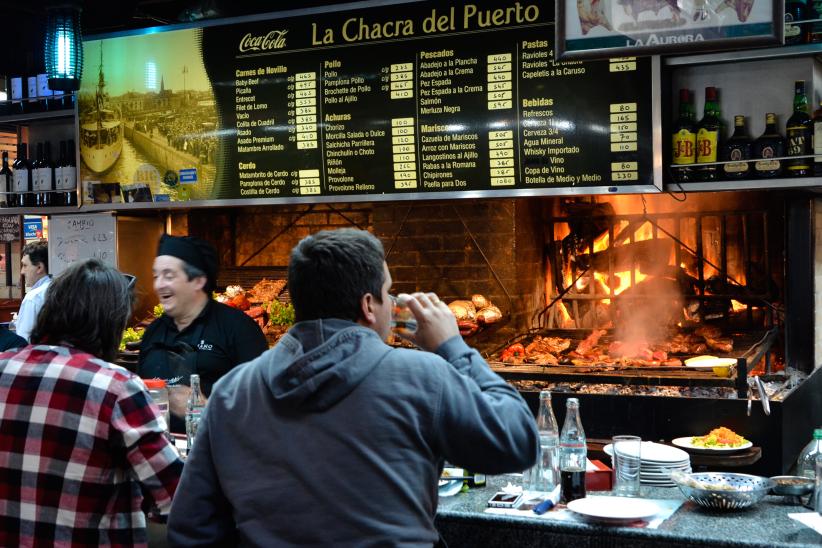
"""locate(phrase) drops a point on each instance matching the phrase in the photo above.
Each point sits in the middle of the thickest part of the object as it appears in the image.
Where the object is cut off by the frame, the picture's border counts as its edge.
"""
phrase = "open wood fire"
(640, 289)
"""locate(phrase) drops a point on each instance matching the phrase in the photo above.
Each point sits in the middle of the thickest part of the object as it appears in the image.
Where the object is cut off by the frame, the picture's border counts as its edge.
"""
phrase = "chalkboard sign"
(423, 100)
(9, 228)
(79, 237)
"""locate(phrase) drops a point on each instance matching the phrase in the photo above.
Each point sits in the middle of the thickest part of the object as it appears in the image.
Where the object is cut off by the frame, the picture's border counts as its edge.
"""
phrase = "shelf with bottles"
(16, 111)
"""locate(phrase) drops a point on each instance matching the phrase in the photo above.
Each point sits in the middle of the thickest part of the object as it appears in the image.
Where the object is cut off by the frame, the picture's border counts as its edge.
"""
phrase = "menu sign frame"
(596, 29)
(385, 100)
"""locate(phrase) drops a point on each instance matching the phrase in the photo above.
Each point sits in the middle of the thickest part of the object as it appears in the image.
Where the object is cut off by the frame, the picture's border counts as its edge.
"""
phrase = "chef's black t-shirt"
(218, 340)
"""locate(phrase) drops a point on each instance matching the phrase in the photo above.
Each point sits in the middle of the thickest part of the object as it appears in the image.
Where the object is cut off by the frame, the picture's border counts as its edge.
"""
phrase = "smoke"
(648, 311)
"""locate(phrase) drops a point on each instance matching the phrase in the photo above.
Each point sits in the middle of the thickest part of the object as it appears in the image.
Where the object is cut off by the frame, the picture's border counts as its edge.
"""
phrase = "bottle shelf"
(746, 184)
(779, 52)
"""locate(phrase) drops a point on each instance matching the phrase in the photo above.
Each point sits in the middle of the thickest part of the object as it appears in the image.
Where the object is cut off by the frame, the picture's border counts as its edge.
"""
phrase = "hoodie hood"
(319, 362)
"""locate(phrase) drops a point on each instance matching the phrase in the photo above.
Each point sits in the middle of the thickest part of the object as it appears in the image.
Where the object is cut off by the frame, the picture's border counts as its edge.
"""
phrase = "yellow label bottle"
(684, 147)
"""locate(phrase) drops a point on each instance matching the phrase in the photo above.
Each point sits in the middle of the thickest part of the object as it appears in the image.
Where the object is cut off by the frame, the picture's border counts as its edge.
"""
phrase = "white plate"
(613, 509)
(450, 488)
(709, 362)
(656, 453)
(687, 443)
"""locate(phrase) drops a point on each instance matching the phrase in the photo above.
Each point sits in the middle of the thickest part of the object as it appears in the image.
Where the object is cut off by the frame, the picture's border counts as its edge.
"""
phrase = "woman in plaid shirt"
(81, 442)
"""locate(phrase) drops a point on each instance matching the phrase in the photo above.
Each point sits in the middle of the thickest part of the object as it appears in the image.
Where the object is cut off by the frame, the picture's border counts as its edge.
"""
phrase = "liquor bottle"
(684, 140)
(799, 135)
(6, 182)
(573, 454)
(69, 177)
(815, 12)
(194, 411)
(39, 176)
(796, 10)
(767, 146)
(738, 147)
(817, 141)
(544, 475)
(707, 137)
(22, 178)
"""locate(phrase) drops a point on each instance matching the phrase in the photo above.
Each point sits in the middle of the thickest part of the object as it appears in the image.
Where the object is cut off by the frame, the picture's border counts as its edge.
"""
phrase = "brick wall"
(496, 252)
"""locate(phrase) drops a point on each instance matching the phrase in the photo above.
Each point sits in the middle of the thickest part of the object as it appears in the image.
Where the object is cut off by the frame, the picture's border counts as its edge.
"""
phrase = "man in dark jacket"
(334, 438)
(195, 334)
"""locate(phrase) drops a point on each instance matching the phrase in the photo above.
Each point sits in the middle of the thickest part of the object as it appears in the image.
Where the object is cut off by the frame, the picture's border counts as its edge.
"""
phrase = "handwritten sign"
(78, 237)
(9, 228)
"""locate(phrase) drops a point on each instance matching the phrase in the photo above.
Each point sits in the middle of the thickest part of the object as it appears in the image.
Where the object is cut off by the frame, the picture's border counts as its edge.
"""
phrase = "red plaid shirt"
(80, 443)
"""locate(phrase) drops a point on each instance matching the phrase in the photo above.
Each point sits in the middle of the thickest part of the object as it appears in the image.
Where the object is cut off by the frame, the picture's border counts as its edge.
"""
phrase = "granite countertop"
(463, 522)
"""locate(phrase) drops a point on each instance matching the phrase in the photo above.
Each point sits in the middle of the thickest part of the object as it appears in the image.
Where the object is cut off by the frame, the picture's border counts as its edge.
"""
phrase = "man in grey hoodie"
(334, 438)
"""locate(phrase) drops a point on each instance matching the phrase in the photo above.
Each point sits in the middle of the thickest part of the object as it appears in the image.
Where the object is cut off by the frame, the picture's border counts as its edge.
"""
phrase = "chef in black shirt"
(195, 334)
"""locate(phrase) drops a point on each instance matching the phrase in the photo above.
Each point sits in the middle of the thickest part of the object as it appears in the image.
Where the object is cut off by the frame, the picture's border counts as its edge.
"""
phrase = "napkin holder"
(598, 476)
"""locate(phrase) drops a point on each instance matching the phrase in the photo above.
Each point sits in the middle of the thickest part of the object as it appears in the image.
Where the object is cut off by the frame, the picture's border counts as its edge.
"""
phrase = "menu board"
(408, 99)
(78, 237)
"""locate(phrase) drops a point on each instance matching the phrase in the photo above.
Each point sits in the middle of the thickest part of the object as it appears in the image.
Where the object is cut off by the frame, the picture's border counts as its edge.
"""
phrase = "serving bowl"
(723, 491)
(787, 486)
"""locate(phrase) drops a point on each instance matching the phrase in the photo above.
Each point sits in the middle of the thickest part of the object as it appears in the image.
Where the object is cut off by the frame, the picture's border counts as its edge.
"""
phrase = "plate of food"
(718, 440)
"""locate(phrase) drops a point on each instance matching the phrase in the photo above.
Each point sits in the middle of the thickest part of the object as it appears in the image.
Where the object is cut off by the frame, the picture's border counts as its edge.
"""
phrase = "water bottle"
(194, 411)
(573, 454)
(806, 463)
(544, 475)
(817, 492)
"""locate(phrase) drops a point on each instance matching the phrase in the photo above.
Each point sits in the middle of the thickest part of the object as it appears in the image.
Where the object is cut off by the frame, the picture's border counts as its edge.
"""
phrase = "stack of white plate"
(657, 463)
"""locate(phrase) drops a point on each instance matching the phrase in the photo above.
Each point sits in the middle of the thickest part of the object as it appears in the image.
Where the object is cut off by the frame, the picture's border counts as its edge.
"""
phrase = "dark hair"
(38, 252)
(194, 272)
(330, 271)
(87, 306)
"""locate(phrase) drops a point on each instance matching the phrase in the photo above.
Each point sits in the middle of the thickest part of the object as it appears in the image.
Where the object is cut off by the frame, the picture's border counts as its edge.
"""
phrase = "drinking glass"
(627, 463)
(402, 319)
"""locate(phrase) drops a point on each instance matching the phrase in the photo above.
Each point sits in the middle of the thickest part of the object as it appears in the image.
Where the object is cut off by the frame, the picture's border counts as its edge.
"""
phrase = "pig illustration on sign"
(635, 7)
(592, 14)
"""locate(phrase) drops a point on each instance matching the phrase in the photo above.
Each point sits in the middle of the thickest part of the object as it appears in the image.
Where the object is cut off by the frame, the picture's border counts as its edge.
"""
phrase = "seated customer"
(334, 438)
(82, 441)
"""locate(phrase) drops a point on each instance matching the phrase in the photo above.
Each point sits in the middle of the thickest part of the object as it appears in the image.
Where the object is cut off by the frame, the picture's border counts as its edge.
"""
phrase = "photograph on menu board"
(603, 28)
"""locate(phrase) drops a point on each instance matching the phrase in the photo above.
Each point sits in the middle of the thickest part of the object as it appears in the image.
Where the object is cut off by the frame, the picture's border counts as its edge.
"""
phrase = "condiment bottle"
(159, 394)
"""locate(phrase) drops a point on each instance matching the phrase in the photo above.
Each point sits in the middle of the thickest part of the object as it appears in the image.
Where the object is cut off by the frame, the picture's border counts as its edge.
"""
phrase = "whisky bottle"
(707, 137)
(738, 147)
(768, 146)
(799, 134)
(817, 141)
(684, 140)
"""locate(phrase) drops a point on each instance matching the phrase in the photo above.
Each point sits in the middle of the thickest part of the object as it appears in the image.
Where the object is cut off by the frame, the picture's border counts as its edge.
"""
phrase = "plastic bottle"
(194, 411)
(806, 463)
(544, 475)
(817, 492)
(573, 454)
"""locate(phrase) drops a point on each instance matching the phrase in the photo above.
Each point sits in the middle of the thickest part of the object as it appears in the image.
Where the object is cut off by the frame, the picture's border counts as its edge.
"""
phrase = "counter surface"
(462, 522)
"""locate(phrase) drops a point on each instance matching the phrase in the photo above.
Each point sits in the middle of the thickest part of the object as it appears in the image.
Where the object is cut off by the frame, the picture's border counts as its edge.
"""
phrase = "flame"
(738, 306)
(565, 317)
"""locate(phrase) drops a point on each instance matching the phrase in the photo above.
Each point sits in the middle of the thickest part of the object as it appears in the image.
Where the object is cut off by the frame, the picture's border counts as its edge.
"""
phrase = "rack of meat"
(598, 356)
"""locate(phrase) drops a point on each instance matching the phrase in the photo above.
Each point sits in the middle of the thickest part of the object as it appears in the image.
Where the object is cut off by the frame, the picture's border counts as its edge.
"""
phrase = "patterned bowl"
(723, 491)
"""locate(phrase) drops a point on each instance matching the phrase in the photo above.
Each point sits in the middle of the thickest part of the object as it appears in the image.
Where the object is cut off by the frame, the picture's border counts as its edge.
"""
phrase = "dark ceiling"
(26, 21)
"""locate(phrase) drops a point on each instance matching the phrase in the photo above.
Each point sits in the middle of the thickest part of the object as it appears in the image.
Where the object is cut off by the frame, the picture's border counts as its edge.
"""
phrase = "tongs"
(763, 394)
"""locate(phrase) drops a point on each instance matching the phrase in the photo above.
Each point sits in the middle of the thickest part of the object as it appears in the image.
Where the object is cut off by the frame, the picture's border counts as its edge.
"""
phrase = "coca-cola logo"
(275, 39)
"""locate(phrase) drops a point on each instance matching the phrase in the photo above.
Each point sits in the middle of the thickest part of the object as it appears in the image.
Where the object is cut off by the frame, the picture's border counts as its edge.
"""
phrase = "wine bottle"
(22, 178)
(69, 177)
(6, 182)
(40, 176)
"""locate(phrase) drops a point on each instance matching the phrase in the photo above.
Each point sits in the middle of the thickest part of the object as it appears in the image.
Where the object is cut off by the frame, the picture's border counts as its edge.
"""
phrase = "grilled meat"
(723, 344)
(553, 345)
(587, 348)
